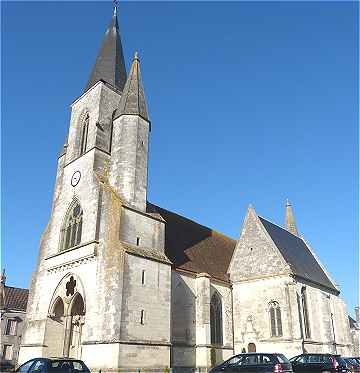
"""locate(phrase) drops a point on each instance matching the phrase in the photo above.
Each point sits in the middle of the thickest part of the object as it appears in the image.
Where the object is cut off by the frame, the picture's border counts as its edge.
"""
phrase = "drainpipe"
(232, 317)
(333, 330)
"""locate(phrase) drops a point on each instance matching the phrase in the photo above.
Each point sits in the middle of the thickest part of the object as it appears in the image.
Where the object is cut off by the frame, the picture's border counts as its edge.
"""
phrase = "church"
(124, 284)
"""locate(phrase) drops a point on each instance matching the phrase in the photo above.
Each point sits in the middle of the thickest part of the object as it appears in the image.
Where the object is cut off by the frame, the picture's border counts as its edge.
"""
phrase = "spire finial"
(290, 224)
(115, 6)
(136, 56)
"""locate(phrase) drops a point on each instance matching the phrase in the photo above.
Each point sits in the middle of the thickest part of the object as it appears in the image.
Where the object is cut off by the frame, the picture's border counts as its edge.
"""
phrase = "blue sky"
(250, 102)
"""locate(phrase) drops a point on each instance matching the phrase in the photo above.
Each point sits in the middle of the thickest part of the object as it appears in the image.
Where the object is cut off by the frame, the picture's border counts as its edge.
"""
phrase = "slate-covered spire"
(110, 65)
(133, 98)
(290, 224)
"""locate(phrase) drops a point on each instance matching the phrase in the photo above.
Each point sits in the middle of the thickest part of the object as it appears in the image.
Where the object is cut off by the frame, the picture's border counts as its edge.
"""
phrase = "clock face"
(75, 178)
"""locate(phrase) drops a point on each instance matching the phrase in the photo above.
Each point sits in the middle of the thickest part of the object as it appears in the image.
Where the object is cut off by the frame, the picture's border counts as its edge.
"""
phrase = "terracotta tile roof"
(16, 298)
(194, 247)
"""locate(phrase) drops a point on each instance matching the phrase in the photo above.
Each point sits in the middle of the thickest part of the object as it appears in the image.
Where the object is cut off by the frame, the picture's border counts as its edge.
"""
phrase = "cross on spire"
(115, 2)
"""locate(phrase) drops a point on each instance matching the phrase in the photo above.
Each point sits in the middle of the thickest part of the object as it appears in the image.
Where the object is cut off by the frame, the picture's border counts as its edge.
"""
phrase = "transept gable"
(255, 254)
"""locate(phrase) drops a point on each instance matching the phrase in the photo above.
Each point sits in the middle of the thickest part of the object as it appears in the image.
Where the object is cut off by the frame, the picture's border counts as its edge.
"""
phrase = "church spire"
(110, 65)
(133, 101)
(290, 224)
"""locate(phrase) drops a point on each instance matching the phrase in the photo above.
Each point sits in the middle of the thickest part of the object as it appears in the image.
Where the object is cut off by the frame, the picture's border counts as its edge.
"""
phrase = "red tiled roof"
(16, 298)
(194, 247)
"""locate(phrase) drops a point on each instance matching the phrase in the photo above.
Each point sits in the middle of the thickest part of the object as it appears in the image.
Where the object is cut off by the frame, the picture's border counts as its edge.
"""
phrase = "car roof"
(317, 353)
(259, 353)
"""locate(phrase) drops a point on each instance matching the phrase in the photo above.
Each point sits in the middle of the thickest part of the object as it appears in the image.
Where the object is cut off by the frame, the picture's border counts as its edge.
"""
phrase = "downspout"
(333, 330)
(232, 318)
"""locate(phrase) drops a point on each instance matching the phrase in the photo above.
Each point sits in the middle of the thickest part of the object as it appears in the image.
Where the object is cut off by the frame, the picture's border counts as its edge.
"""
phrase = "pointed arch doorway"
(66, 318)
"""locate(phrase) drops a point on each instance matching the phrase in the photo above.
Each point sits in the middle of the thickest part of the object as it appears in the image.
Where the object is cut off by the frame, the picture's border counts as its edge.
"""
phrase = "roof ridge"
(193, 221)
(279, 226)
(15, 287)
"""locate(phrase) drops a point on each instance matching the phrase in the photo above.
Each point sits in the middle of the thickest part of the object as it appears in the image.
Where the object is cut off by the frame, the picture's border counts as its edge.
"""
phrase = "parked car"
(255, 363)
(53, 365)
(352, 364)
(318, 363)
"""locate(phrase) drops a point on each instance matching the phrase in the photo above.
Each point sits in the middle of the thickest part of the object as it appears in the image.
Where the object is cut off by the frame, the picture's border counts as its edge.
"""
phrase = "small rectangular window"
(142, 317)
(137, 241)
(11, 327)
(8, 352)
(143, 277)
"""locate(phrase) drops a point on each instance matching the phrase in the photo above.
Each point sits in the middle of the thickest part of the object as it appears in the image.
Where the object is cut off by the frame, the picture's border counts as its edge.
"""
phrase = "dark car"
(53, 365)
(255, 363)
(353, 364)
(318, 363)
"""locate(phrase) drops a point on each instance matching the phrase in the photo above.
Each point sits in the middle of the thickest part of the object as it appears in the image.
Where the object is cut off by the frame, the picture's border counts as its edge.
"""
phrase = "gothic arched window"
(84, 133)
(216, 319)
(275, 319)
(72, 228)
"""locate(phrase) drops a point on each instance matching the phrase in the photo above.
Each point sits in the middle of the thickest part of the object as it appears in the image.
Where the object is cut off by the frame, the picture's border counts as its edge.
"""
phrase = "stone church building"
(125, 284)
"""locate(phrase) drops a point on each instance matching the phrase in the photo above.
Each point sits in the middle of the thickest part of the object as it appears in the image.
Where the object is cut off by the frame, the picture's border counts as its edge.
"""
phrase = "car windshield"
(252, 359)
(340, 360)
(60, 366)
(282, 359)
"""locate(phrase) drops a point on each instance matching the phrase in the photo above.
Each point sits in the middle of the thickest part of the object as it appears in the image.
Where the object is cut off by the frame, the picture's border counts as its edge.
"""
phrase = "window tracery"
(72, 228)
(275, 319)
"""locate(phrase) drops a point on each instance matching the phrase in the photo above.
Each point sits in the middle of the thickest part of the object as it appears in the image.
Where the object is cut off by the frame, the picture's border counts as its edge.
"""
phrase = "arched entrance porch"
(66, 319)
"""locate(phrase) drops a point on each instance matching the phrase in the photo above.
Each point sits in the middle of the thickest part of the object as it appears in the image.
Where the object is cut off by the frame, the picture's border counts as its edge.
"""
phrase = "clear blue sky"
(250, 103)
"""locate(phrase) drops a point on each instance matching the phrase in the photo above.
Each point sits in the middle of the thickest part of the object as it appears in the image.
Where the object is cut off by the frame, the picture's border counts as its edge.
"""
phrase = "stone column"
(203, 336)
(67, 337)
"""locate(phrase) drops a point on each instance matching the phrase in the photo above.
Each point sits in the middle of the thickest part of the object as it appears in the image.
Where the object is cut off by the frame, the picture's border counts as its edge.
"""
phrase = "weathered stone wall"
(190, 328)
(145, 229)
(99, 102)
(183, 320)
(252, 319)
(129, 159)
(255, 254)
(139, 297)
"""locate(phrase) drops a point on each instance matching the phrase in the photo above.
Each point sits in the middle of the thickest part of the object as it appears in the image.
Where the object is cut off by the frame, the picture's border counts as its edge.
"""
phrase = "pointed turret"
(110, 65)
(290, 224)
(133, 98)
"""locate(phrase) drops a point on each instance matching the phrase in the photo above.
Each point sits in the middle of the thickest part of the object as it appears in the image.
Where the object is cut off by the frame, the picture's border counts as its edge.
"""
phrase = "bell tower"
(101, 264)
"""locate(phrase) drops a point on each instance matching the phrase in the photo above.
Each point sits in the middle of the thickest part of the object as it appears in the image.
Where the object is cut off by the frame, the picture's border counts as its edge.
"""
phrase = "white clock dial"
(75, 178)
